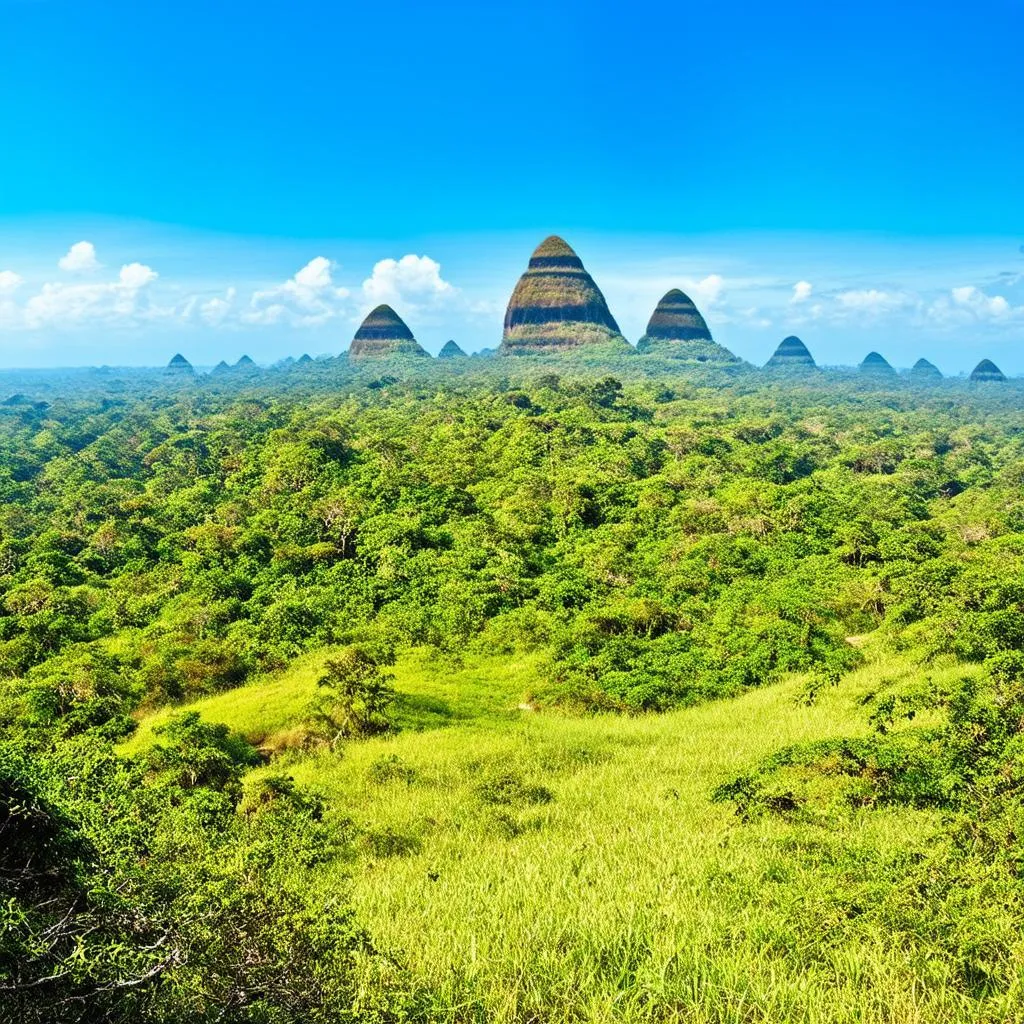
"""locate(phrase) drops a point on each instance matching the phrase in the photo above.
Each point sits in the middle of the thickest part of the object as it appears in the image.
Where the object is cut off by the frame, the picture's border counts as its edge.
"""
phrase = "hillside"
(384, 696)
(524, 865)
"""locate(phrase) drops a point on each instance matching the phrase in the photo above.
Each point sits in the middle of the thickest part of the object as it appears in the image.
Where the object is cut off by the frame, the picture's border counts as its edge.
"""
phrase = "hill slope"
(522, 866)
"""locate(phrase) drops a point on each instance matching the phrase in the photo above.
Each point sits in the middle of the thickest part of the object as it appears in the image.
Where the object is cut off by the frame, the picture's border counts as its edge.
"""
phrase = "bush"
(505, 786)
(391, 768)
(354, 698)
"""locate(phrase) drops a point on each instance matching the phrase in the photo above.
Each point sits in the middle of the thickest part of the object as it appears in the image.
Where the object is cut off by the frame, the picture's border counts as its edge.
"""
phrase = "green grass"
(432, 693)
(521, 866)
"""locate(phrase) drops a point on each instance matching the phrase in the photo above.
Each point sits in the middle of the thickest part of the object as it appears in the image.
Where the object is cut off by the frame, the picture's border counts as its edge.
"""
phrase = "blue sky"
(251, 177)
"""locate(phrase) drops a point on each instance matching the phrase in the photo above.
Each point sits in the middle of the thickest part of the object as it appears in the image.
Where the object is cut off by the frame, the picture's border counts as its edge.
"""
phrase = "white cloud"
(979, 303)
(874, 301)
(802, 291)
(307, 299)
(9, 281)
(315, 275)
(968, 305)
(137, 275)
(216, 310)
(707, 291)
(412, 281)
(69, 305)
(80, 258)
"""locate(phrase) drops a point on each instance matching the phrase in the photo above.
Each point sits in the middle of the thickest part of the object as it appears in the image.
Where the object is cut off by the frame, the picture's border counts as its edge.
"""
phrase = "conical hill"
(923, 370)
(384, 333)
(557, 307)
(678, 330)
(792, 354)
(451, 351)
(987, 370)
(179, 364)
(876, 365)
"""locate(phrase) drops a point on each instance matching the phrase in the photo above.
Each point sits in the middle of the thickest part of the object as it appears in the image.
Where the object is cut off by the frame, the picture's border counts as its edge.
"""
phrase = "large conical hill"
(557, 307)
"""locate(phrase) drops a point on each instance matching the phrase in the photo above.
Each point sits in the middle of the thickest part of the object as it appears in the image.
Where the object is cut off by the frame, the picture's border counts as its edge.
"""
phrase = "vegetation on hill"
(404, 693)
(677, 330)
(556, 306)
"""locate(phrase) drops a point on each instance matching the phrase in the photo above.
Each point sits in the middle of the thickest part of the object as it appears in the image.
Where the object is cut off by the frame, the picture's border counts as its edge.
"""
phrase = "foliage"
(969, 764)
(523, 540)
(354, 697)
(134, 891)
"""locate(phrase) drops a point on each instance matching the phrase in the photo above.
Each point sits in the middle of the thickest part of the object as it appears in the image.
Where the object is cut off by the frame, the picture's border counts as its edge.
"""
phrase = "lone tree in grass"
(353, 698)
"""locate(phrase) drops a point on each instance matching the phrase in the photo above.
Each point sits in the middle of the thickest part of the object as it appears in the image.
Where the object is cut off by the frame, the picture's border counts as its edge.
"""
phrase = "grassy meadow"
(519, 865)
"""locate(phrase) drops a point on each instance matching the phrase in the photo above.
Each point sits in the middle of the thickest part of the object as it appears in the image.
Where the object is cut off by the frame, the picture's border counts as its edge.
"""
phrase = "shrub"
(391, 768)
(354, 698)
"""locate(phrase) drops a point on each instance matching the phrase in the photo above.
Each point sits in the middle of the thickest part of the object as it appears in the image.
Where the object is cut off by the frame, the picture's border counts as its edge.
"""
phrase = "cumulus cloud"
(9, 281)
(309, 298)
(979, 303)
(315, 275)
(137, 275)
(412, 281)
(79, 259)
(216, 310)
(970, 305)
(965, 305)
(707, 291)
(69, 305)
(802, 291)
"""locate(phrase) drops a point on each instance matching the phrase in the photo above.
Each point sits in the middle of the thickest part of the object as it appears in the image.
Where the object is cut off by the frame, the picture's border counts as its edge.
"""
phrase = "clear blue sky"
(390, 125)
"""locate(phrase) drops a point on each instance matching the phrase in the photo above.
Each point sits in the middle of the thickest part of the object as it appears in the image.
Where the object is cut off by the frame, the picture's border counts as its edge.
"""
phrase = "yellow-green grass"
(630, 895)
(520, 866)
(432, 692)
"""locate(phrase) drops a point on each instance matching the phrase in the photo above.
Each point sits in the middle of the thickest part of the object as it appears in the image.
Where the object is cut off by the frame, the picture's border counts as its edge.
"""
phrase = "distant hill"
(876, 365)
(792, 354)
(451, 351)
(382, 334)
(677, 330)
(557, 307)
(923, 370)
(986, 370)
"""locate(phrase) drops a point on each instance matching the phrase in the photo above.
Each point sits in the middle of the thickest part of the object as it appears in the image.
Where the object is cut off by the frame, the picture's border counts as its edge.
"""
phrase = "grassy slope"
(622, 893)
(432, 694)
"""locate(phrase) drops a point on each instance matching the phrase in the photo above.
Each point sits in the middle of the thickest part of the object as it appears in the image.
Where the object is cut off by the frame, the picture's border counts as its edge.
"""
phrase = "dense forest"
(647, 541)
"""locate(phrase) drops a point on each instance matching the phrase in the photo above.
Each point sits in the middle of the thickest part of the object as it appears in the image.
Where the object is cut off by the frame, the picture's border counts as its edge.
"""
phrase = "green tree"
(353, 699)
